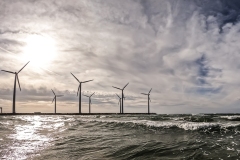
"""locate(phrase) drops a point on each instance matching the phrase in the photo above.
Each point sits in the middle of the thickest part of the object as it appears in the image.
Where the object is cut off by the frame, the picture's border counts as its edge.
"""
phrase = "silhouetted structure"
(55, 98)
(14, 89)
(1, 109)
(119, 102)
(122, 93)
(90, 101)
(79, 91)
(148, 99)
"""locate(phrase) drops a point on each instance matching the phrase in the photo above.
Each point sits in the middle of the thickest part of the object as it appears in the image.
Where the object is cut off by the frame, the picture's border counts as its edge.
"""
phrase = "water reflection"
(30, 134)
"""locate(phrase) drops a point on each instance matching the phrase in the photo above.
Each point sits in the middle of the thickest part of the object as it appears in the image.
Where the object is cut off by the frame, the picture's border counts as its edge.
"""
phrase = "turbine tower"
(55, 98)
(79, 91)
(90, 101)
(14, 89)
(1, 109)
(148, 99)
(119, 102)
(122, 93)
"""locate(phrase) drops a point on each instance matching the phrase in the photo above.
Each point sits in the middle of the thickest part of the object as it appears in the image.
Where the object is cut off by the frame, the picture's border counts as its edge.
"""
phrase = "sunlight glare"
(40, 50)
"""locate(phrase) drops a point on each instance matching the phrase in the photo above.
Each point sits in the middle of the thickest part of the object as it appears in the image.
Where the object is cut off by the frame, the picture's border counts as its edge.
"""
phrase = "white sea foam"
(230, 117)
(170, 124)
(230, 149)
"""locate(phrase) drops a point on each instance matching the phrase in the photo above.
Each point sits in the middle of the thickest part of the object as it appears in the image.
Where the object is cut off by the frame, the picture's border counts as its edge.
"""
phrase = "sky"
(187, 51)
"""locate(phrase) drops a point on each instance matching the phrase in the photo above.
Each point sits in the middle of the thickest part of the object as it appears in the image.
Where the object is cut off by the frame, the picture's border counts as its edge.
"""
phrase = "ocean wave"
(231, 118)
(204, 126)
(159, 118)
(199, 118)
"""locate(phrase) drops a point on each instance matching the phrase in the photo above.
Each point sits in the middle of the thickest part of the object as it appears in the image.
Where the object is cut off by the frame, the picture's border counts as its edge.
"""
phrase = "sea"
(120, 137)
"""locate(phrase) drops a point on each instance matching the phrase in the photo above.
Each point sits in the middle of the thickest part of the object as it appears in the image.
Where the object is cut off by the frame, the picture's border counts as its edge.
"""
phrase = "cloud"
(186, 50)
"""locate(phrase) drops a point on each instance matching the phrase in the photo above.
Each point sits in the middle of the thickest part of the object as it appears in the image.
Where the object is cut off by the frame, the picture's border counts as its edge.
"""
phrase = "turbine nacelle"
(122, 88)
(54, 98)
(120, 97)
(88, 96)
(120, 100)
(16, 74)
(147, 94)
(80, 82)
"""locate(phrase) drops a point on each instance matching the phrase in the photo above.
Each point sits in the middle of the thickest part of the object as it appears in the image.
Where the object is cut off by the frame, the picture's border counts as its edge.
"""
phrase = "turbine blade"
(59, 95)
(87, 81)
(78, 89)
(125, 85)
(118, 96)
(22, 67)
(53, 99)
(18, 83)
(8, 71)
(75, 77)
(116, 88)
(144, 93)
(92, 94)
(85, 95)
(53, 92)
(150, 91)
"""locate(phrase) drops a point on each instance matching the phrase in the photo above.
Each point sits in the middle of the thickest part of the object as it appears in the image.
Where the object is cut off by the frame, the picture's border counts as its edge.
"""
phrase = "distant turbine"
(148, 99)
(90, 101)
(122, 93)
(1, 109)
(79, 91)
(14, 89)
(119, 102)
(55, 98)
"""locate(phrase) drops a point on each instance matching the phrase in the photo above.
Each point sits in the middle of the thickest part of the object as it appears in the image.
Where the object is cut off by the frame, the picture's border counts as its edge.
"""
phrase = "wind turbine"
(1, 109)
(14, 89)
(119, 102)
(122, 93)
(148, 99)
(55, 97)
(90, 101)
(79, 91)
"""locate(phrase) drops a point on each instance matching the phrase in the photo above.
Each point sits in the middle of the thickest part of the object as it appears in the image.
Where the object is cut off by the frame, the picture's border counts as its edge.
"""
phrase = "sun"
(40, 50)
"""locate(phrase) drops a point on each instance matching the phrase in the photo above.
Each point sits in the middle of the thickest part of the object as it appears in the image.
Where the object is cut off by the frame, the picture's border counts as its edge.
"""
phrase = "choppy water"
(120, 137)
